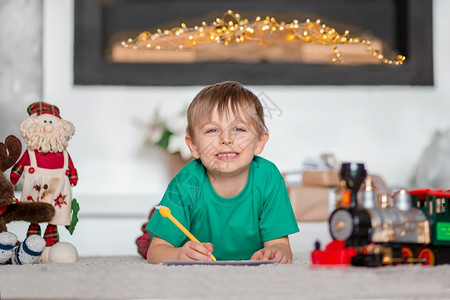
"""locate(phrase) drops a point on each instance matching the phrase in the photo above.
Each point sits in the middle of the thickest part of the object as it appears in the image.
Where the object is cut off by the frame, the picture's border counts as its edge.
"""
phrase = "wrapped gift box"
(311, 203)
(323, 178)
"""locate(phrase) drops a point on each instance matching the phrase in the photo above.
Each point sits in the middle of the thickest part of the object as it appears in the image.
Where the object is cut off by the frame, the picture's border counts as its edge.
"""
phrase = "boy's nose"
(225, 139)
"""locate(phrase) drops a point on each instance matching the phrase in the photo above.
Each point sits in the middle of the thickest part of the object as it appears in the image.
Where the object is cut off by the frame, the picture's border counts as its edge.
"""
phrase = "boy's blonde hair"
(221, 96)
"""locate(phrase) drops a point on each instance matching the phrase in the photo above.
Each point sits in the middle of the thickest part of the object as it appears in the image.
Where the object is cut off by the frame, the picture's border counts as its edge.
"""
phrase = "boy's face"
(226, 145)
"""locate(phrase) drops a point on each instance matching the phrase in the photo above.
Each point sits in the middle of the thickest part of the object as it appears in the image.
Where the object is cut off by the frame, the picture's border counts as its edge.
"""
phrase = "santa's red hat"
(41, 108)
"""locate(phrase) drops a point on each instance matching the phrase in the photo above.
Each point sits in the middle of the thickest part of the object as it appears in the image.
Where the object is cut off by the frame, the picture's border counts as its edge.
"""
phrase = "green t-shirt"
(237, 226)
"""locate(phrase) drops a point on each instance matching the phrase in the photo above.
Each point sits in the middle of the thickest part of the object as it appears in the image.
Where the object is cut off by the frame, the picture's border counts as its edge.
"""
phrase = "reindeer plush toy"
(11, 251)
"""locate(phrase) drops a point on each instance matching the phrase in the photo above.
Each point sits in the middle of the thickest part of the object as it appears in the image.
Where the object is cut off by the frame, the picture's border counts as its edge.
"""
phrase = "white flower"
(153, 133)
(177, 144)
(169, 133)
(177, 123)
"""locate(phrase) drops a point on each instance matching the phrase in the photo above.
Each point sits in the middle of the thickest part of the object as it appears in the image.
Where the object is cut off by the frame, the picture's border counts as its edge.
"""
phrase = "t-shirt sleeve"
(277, 218)
(178, 198)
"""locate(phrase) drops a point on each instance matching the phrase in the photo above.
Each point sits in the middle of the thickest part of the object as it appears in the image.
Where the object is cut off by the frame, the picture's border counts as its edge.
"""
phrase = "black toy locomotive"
(407, 227)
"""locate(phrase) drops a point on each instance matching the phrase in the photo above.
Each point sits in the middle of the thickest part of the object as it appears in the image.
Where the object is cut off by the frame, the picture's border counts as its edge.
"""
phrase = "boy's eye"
(211, 131)
(239, 129)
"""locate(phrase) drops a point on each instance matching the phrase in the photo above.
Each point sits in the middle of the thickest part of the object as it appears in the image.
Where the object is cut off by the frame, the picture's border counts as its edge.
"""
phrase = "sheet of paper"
(220, 262)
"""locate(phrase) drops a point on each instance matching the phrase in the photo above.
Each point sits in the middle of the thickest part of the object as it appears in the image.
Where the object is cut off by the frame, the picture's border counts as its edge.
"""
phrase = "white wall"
(20, 61)
(385, 127)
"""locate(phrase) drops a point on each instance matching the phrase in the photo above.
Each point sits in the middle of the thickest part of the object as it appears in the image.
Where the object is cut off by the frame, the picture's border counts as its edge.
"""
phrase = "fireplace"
(396, 26)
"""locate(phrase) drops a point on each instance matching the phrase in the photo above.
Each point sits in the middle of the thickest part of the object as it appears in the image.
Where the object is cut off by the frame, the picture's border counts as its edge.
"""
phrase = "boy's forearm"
(161, 253)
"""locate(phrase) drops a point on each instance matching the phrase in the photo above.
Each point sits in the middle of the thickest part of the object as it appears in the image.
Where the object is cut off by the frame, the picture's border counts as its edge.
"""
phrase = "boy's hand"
(195, 251)
(271, 253)
(278, 249)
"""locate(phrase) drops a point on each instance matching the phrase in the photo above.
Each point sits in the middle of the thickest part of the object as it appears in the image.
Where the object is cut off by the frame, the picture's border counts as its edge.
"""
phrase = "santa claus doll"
(48, 171)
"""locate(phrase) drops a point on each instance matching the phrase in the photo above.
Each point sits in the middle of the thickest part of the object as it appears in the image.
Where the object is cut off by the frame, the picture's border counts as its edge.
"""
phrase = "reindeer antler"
(9, 152)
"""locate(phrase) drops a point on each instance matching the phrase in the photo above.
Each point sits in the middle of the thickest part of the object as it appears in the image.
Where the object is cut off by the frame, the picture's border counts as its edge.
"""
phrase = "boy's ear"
(263, 138)
(190, 143)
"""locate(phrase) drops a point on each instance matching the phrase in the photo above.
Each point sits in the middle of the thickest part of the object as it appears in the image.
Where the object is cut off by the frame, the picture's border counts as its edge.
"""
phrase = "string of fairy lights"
(231, 28)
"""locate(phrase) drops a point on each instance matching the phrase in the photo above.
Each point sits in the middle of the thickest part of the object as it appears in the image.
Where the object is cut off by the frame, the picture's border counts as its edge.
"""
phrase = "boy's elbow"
(160, 251)
(150, 261)
(151, 257)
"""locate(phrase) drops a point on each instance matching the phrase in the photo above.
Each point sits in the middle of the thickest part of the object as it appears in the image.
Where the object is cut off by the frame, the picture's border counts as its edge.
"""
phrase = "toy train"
(407, 227)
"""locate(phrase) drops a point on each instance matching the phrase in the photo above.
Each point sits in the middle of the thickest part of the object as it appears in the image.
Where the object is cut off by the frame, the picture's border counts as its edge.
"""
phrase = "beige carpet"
(132, 278)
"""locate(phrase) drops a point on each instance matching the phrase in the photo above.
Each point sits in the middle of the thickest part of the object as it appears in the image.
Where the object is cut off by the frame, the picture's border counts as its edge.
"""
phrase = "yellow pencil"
(166, 213)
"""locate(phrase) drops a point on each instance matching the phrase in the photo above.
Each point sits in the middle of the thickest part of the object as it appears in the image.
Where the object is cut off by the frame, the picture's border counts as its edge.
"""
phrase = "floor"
(131, 277)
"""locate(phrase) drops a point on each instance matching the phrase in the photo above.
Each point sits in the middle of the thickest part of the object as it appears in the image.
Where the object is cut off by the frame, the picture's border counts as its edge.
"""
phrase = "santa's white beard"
(37, 138)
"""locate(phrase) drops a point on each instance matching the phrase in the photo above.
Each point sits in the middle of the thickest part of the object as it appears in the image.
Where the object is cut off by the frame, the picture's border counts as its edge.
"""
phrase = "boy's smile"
(227, 155)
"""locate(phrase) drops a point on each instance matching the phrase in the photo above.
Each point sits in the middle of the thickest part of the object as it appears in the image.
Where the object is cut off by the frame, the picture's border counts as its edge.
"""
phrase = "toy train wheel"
(341, 225)
(427, 255)
(407, 252)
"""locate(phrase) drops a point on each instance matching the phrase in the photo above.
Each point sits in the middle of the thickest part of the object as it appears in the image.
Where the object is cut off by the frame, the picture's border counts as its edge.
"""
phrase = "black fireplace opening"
(401, 27)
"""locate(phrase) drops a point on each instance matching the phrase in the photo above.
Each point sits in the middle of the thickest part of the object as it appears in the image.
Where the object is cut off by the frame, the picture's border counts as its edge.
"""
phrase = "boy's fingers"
(263, 254)
(256, 255)
(208, 246)
(284, 260)
(267, 254)
(280, 257)
(195, 255)
(202, 248)
(196, 251)
(205, 247)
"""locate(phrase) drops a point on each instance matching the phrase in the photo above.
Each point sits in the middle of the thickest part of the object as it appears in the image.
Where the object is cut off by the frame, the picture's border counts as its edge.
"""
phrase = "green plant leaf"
(165, 139)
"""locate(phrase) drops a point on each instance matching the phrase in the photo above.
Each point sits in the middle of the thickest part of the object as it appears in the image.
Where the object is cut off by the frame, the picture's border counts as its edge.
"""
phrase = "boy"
(228, 197)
